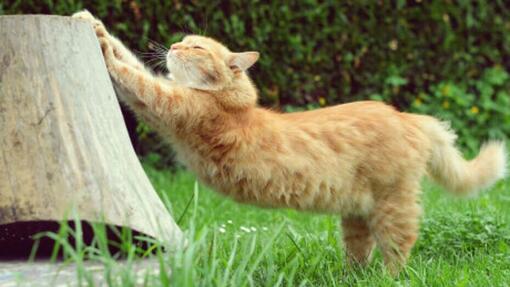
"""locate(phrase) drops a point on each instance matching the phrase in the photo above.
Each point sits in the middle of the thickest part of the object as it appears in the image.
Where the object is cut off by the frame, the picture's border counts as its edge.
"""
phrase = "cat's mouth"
(175, 55)
(172, 55)
(173, 61)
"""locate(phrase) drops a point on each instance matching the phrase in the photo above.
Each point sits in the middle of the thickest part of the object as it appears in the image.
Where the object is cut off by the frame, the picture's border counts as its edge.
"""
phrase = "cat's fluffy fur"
(363, 161)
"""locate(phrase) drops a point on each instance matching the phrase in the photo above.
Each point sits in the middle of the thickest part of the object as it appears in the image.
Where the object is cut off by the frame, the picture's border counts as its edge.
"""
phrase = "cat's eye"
(198, 47)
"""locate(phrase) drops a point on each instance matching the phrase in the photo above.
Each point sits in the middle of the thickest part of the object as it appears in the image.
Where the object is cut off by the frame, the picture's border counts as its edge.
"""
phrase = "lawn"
(463, 242)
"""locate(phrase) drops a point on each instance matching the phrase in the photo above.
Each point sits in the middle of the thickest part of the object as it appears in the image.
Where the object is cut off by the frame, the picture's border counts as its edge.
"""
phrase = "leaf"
(396, 81)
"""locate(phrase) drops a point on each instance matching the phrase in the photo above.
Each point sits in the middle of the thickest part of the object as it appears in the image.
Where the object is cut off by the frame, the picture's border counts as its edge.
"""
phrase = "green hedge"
(318, 53)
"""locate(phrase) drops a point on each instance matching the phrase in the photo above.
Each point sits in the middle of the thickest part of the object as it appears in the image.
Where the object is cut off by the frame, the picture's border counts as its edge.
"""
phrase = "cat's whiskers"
(151, 54)
(159, 50)
(161, 64)
(155, 61)
(155, 46)
(156, 58)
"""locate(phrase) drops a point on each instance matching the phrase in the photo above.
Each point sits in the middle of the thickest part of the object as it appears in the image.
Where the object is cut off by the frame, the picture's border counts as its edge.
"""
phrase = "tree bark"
(63, 142)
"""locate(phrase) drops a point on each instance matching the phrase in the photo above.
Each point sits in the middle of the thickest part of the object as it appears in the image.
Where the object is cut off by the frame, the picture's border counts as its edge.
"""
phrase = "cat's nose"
(176, 47)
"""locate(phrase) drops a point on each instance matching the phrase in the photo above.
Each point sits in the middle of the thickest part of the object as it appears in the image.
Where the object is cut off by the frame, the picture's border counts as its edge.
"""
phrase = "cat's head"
(203, 63)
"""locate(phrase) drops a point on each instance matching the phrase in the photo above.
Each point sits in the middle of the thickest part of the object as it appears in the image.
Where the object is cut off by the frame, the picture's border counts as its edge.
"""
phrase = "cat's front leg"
(121, 52)
(152, 93)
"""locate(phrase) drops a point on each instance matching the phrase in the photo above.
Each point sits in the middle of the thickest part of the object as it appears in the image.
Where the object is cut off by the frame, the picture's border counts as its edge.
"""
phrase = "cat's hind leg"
(358, 241)
(394, 223)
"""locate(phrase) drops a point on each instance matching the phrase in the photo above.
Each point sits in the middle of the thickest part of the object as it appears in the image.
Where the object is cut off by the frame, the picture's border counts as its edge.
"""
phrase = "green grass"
(462, 243)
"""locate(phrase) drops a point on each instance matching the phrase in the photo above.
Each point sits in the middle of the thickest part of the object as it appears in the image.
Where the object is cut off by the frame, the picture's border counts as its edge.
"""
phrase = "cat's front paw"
(84, 15)
(109, 56)
(96, 24)
(107, 49)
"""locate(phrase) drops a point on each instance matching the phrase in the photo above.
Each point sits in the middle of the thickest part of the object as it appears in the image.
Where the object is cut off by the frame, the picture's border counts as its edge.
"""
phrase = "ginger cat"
(363, 161)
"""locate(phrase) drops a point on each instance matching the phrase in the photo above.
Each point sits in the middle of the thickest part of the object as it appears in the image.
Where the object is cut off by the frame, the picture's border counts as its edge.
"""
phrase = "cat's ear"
(242, 61)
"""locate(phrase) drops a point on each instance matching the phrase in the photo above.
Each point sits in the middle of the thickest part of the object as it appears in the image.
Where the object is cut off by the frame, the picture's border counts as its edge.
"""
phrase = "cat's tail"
(459, 176)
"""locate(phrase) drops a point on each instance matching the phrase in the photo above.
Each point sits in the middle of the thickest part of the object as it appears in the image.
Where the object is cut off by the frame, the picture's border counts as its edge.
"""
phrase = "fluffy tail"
(459, 176)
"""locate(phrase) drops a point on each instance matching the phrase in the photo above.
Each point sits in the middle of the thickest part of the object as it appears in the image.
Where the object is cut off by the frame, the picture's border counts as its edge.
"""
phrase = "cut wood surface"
(63, 143)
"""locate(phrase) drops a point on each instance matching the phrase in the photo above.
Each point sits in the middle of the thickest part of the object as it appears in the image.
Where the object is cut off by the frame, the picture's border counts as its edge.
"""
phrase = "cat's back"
(356, 121)
(361, 109)
(360, 131)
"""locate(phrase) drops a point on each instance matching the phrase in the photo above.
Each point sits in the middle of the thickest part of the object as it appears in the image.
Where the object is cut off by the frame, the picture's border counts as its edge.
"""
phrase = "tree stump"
(63, 143)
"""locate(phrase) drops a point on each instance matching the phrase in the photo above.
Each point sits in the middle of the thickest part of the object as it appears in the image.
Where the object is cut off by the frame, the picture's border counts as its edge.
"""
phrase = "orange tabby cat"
(363, 161)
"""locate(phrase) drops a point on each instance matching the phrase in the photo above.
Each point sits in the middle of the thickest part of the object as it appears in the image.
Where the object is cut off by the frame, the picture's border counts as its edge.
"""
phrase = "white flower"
(253, 229)
(229, 221)
(222, 230)
(247, 230)
(393, 44)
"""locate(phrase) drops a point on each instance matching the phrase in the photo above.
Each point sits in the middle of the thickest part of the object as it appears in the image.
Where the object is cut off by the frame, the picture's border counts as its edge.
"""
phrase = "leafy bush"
(317, 53)
(477, 109)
